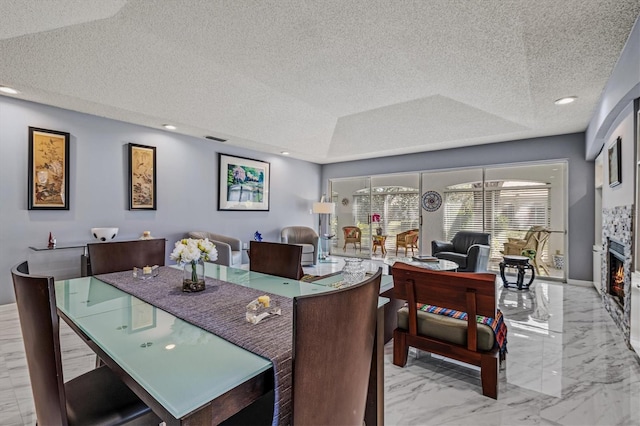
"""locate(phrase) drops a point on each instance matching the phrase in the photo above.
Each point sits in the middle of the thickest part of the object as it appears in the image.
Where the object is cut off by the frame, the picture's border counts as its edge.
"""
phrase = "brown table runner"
(220, 309)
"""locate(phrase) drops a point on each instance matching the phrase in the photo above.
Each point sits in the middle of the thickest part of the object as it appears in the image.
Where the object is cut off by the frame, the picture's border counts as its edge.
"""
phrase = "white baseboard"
(580, 283)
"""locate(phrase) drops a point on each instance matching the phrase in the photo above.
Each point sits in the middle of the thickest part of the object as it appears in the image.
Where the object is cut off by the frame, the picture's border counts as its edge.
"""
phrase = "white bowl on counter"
(104, 234)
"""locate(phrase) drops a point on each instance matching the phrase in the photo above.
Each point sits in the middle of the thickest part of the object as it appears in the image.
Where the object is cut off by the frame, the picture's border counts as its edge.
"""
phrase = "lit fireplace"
(615, 284)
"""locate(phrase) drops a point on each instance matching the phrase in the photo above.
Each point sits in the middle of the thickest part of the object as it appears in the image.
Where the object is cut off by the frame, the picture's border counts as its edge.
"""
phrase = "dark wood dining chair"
(282, 260)
(333, 337)
(124, 255)
(96, 397)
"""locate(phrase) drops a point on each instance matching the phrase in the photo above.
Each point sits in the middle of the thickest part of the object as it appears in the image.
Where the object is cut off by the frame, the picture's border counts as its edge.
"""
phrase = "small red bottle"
(52, 243)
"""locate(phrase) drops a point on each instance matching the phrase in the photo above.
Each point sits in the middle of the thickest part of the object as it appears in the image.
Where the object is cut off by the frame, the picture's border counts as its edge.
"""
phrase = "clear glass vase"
(193, 276)
(353, 271)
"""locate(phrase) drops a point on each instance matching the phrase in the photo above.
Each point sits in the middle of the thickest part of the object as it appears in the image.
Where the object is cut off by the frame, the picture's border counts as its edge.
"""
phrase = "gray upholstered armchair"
(229, 248)
(305, 237)
(470, 250)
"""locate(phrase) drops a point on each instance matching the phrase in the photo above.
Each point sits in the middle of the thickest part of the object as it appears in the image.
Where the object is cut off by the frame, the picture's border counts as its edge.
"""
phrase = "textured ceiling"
(325, 80)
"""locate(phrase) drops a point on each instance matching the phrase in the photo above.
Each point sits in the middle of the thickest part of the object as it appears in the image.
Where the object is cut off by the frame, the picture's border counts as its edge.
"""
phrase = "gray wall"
(187, 182)
(621, 89)
(570, 147)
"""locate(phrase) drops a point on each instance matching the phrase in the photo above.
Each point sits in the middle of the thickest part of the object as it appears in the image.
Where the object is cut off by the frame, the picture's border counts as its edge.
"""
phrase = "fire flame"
(618, 277)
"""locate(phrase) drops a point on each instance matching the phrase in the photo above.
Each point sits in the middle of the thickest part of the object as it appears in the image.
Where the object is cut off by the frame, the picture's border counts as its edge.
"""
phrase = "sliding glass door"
(380, 207)
(395, 209)
(523, 207)
(351, 223)
(526, 210)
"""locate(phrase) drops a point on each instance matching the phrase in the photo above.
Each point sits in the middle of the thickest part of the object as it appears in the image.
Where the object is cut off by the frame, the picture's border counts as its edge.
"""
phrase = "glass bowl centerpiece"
(190, 253)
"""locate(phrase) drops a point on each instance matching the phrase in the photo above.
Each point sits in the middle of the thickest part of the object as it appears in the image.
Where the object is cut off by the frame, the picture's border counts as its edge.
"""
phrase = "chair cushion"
(460, 259)
(307, 248)
(307, 259)
(236, 258)
(99, 397)
(445, 328)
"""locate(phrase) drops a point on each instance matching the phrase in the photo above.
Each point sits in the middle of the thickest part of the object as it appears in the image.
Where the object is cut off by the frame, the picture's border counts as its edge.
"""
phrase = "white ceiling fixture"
(328, 81)
(285, 153)
(8, 90)
(169, 126)
(565, 101)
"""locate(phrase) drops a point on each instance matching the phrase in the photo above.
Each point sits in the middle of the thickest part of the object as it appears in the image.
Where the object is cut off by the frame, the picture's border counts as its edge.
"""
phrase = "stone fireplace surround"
(617, 224)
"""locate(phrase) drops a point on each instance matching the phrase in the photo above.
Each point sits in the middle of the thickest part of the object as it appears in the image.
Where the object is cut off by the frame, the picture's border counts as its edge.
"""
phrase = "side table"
(379, 241)
(521, 263)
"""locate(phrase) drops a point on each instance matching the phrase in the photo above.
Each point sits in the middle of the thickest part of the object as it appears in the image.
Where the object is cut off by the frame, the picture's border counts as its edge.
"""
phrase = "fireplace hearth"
(617, 236)
(615, 282)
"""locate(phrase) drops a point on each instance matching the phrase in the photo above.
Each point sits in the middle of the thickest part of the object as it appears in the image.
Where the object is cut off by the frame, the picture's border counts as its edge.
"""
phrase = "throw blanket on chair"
(497, 324)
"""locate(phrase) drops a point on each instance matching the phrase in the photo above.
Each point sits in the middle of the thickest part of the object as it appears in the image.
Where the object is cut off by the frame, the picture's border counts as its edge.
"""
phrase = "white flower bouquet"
(190, 250)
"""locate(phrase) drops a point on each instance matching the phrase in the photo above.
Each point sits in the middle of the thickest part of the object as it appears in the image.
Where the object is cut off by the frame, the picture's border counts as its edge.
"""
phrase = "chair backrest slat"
(333, 336)
(445, 289)
(36, 302)
(124, 255)
(282, 260)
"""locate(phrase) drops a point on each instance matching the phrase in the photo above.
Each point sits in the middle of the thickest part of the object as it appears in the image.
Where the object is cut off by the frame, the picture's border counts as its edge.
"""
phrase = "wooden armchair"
(352, 234)
(533, 242)
(463, 340)
(407, 239)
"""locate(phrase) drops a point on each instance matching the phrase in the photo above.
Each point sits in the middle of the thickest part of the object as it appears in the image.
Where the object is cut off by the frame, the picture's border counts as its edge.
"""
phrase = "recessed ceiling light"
(285, 153)
(9, 90)
(169, 126)
(170, 346)
(564, 101)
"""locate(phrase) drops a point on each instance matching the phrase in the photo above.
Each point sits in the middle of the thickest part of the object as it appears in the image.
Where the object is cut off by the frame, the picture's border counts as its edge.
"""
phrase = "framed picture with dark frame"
(243, 184)
(615, 163)
(142, 177)
(48, 169)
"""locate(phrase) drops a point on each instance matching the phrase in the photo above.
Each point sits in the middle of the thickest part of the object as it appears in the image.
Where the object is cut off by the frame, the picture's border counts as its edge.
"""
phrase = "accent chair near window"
(408, 240)
(305, 237)
(352, 234)
(534, 241)
(229, 248)
(469, 249)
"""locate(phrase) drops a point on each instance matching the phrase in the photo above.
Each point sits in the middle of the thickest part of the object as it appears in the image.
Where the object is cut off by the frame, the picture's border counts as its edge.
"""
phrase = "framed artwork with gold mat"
(142, 177)
(48, 169)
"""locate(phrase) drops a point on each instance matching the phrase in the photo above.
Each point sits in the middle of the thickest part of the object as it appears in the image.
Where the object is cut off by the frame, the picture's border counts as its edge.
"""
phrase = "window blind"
(399, 212)
(503, 211)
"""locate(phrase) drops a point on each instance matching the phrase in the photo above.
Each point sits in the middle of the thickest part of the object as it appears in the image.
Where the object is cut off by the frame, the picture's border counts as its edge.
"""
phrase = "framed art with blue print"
(243, 184)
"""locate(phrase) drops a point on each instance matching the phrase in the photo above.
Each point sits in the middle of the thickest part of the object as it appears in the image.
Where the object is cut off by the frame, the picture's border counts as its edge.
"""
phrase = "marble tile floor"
(567, 365)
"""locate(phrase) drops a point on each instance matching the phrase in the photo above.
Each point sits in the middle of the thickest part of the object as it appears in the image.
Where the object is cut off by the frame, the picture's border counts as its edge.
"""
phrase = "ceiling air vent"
(213, 138)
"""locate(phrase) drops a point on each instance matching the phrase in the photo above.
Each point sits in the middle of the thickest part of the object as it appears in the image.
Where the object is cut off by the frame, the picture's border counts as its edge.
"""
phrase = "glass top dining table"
(181, 366)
